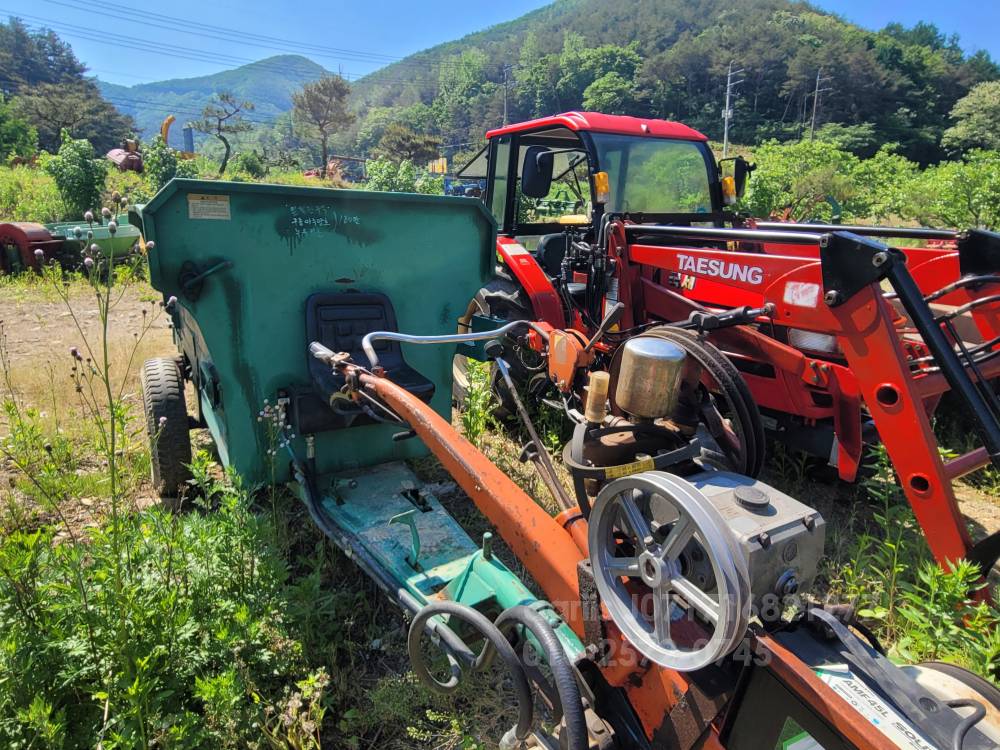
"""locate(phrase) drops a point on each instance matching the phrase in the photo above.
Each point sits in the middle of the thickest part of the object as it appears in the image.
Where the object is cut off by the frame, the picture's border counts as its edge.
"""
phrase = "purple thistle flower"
(88, 217)
(40, 255)
(106, 213)
(89, 264)
(163, 422)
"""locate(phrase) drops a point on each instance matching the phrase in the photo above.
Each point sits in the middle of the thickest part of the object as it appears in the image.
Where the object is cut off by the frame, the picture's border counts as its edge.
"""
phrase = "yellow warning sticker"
(202, 206)
(624, 470)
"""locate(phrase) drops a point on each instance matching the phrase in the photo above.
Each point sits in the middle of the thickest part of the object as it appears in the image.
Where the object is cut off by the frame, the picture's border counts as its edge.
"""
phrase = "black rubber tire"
(169, 445)
(734, 390)
(490, 300)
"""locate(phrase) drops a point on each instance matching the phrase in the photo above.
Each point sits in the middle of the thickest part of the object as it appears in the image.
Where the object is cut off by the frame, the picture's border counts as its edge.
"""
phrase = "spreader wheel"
(504, 300)
(646, 533)
(167, 427)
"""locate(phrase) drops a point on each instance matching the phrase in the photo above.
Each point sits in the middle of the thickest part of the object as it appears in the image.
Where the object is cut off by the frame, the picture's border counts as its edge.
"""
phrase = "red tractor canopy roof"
(596, 122)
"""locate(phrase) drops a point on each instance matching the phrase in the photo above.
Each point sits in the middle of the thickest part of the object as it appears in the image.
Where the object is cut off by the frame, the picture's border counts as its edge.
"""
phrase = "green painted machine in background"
(19, 242)
(251, 274)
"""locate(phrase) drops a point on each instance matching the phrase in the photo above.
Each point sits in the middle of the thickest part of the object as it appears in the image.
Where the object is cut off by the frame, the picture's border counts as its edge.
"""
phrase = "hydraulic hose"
(495, 639)
(562, 671)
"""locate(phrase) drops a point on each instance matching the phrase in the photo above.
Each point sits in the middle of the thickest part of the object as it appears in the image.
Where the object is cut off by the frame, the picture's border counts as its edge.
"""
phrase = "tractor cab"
(552, 183)
(569, 170)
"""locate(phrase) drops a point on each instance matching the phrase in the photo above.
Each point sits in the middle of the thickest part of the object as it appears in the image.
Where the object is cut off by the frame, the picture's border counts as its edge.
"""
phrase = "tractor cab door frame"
(504, 158)
(504, 176)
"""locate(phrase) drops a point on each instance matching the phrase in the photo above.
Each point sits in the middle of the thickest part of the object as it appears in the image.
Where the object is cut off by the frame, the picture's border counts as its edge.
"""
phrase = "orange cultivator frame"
(896, 351)
(672, 709)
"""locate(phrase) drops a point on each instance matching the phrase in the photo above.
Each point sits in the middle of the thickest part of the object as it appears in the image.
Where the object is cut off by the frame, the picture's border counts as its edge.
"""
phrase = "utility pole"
(727, 113)
(819, 79)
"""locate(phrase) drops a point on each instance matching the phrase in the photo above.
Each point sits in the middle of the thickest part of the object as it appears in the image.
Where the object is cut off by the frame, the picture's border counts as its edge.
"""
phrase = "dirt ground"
(38, 330)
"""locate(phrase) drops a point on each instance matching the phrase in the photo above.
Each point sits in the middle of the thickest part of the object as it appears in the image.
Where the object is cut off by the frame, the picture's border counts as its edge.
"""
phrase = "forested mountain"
(669, 58)
(268, 83)
(655, 58)
(44, 89)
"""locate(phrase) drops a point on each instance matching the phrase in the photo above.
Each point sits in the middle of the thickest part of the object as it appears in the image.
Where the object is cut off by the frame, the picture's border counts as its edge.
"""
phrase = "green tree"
(17, 137)
(958, 194)
(399, 143)
(977, 120)
(79, 176)
(161, 164)
(77, 107)
(388, 176)
(224, 118)
(883, 184)
(795, 179)
(28, 58)
(322, 107)
(611, 94)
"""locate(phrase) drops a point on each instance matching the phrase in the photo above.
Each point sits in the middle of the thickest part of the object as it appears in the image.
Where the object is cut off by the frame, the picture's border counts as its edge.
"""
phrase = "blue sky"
(358, 37)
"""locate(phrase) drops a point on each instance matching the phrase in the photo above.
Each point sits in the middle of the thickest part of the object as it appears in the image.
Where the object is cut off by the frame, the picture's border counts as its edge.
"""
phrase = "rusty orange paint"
(573, 521)
(566, 356)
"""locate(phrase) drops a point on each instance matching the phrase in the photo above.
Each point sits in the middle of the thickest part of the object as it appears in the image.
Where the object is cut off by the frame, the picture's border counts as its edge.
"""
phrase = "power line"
(819, 79)
(727, 115)
(227, 34)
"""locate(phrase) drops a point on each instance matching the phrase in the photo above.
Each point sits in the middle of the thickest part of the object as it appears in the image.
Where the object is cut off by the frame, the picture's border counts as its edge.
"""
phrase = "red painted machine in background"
(841, 340)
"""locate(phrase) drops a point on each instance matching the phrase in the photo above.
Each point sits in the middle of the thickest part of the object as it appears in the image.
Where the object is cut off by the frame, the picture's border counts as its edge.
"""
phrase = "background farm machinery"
(318, 359)
(835, 341)
(64, 242)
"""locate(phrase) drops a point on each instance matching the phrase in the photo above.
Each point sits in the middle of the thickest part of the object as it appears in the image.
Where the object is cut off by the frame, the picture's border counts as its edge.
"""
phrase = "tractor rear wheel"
(505, 300)
(167, 428)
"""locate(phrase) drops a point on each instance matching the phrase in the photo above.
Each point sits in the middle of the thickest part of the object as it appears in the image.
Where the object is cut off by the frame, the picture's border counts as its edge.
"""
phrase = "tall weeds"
(123, 626)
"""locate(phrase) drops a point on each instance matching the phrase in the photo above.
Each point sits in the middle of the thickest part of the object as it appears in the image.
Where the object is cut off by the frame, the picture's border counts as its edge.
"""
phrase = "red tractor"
(830, 340)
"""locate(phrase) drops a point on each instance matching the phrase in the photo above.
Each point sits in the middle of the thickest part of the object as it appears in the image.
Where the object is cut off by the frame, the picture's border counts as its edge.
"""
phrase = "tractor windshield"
(654, 175)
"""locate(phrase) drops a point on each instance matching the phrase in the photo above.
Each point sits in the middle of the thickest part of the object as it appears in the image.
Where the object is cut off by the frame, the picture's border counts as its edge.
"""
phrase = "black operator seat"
(339, 321)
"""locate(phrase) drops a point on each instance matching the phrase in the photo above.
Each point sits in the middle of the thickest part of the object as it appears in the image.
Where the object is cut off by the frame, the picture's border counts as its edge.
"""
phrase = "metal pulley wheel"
(668, 570)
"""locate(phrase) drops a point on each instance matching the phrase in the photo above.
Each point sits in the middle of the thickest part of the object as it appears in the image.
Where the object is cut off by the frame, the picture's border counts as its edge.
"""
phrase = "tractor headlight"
(812, 341)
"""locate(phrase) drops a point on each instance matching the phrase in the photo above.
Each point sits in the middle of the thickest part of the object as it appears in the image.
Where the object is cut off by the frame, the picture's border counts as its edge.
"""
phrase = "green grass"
(29, 194)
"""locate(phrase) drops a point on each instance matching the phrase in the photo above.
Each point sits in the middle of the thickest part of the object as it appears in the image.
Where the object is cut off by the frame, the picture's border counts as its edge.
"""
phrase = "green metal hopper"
(250, 265)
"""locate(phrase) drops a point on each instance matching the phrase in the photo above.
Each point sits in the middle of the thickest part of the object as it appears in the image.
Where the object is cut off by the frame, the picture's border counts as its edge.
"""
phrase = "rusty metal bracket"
(590, 604)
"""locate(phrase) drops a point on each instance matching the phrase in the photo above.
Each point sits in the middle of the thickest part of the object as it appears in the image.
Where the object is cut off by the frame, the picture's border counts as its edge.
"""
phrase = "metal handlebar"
(367, 343)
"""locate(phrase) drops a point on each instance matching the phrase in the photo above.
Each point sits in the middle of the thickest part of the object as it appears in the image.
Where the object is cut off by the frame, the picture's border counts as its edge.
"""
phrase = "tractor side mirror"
(734, 173)
(741, 173)
(536, 172)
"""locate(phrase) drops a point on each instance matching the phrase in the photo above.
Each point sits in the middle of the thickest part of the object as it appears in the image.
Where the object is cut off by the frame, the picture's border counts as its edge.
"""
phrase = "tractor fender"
(545, 301)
